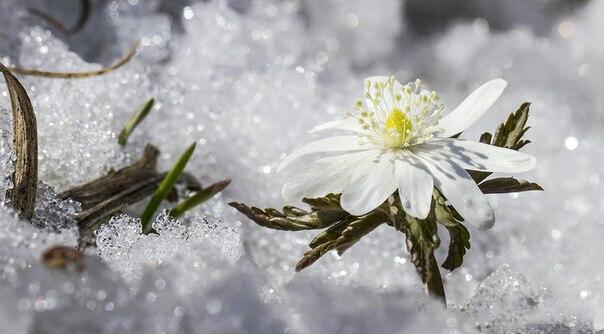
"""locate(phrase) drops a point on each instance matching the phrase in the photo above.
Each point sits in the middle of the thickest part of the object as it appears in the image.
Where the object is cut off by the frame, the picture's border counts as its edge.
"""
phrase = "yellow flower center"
(398, 127)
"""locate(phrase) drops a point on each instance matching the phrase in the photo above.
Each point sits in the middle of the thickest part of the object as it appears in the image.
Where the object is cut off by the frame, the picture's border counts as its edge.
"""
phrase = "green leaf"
(314, 254)
(447, 216)
(508, 134)
(199, 198)
(504, 185)
(329, 201)
(341, 236)
(460, 241)
(331, 233)
(422, 239)
(291, 219)
(511, 131)
(135, 120)
(164, 188)
(486, 138)
(25, 143)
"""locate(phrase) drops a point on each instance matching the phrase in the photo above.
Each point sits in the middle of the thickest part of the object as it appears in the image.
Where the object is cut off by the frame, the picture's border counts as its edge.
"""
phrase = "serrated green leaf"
(357, 229)
(460, 241)
(135, 120)
(331, 233)
(508, 135)
(504, 185)
(422, 239)
(314, 254)
(329, 201)
(164, 187)
(341, 236)
(486, 138)
(511, 131)
(291, 219)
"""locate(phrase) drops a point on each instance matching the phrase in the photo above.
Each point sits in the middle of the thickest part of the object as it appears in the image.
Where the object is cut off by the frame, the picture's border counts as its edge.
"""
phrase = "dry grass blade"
(97, 191)
(77, 75)
(84, 15)
(135, 120)
(87, 219)
(199, 198)
(25, 144)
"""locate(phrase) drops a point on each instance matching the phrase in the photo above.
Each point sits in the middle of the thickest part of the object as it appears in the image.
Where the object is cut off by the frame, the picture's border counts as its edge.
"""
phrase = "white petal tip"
(532, 163)
(499, 82)
(289, 196)
(354, 209)
(484, 224)
(418, 215)
(281, 166)
(317, 128)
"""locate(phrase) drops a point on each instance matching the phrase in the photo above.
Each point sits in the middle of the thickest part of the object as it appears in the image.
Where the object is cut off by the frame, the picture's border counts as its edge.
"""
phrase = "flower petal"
(349, 124)
(479, 156)
(461, 191)
(472, 108)
(324, 176)
(330, 144)
(415, 185)
(372, 182)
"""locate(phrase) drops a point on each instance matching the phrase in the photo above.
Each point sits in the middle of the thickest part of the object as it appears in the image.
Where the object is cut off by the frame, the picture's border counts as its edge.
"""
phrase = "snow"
(246, 80)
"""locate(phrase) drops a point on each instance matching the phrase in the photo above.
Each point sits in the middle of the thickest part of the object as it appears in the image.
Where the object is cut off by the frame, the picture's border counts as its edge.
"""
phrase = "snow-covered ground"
(246, 79)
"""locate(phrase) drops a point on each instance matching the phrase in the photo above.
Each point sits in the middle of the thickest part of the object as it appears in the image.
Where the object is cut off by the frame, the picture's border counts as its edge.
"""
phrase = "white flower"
(400, 140)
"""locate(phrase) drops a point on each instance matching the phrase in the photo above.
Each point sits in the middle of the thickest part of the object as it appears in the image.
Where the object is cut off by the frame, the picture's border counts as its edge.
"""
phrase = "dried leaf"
(460, 241)
(64, 258)
(97, 191)
(135, 120)
(77, 75)
(504, 185)
(82, 19)
(25, 144)
(164, 187)
(199, 198)
(89, 218)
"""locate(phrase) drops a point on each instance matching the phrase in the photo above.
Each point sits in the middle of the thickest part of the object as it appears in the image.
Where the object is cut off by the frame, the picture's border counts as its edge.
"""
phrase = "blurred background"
(246, 79)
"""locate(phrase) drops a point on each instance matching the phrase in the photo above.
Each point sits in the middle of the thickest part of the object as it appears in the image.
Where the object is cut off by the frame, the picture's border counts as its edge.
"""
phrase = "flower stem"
(436, 288)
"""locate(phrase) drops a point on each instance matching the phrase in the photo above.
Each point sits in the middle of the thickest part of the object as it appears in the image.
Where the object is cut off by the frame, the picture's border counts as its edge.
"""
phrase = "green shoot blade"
(164, 188)
(135, 120)
(199, 198)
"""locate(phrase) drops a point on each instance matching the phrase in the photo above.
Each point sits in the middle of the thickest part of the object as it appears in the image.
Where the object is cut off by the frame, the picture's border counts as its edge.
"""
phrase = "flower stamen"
(398, 128)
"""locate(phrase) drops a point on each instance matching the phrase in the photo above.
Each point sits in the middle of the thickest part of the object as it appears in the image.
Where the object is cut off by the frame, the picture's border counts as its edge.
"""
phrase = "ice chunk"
(77, 140)
(123, 246)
